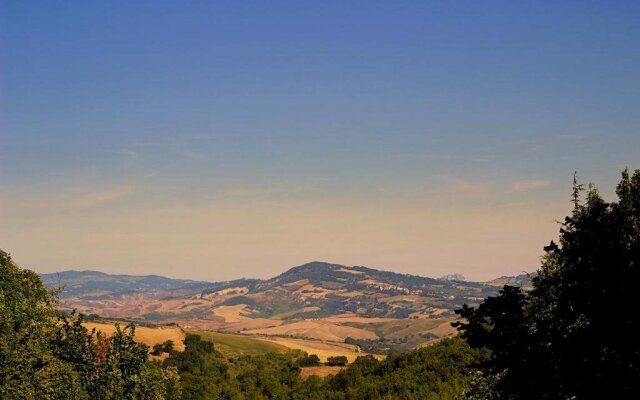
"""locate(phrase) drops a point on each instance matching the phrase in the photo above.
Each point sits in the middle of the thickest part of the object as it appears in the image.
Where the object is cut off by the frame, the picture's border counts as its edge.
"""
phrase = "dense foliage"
(337, 361)
(575, 334)
(385, 345)
(311, 360)
(165, 347)
(44, 355)
(441, 371)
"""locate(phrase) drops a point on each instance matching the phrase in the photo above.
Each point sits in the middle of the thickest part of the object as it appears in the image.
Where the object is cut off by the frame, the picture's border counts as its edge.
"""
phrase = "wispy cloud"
(184, 148)
(77, 201)
(529, 185)
(465, 186)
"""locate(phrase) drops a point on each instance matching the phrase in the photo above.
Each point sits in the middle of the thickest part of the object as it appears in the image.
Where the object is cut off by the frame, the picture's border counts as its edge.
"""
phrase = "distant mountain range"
(365, 307)
(94, 284)
(331, 288)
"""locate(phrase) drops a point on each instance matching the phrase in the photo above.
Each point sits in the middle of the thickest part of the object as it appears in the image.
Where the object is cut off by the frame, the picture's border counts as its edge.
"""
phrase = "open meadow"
(234, 345)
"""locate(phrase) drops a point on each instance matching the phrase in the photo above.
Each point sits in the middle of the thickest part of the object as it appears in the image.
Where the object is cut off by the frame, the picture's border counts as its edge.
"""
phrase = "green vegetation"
(235, 345)
(337, 361)
(441, 371)
(159, 348)
(44, 355)
(311, 360)
(241, 300)
(387, 346)
(575, 334)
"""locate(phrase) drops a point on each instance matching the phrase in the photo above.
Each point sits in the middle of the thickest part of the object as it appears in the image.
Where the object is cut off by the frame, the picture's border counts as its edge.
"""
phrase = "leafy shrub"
(337, 361)
(308, 361)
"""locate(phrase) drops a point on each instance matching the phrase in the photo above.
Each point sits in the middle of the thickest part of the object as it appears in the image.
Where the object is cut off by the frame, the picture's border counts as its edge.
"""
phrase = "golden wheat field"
(321, 371)
(322, 349)
(148, 336)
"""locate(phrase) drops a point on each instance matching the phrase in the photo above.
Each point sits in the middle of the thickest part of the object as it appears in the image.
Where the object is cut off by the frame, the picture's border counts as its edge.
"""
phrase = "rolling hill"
(373, 309)
(99, 285)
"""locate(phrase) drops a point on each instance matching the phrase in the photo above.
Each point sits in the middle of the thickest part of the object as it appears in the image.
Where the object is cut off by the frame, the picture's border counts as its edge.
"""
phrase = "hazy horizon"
(62, 271)
(218, 141)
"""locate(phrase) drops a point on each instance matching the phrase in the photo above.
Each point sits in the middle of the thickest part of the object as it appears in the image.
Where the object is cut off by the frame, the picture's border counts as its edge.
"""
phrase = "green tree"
(337, 361)
(203, 371)
(165, 347)
(438, 372)
(46, 355)
(28, 368)
(311, 360)
(575, 333)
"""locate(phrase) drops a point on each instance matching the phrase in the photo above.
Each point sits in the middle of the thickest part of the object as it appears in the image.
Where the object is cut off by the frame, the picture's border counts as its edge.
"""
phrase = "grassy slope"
(234, 345)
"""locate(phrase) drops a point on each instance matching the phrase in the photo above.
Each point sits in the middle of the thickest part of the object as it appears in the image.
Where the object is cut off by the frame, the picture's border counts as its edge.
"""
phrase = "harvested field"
(316, 329)
(350, 271)
(353, 318)
(410, 298)
(301, 282)
(351, 294)
(406, 327)
(250, 323)
(445, 329)
(313, 291)
(212, 324)
(239, 290)
(322, 371)
(148, 336)
(288, 314)
(322, 349)
(230, 314)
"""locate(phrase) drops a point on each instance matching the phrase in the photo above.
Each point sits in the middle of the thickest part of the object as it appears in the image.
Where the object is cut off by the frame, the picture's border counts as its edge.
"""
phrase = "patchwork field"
(235, 313)
(316, 307)
(403, 328)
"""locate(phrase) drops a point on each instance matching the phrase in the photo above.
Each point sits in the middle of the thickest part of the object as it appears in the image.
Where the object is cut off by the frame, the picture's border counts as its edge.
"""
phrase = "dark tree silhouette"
(575, 335)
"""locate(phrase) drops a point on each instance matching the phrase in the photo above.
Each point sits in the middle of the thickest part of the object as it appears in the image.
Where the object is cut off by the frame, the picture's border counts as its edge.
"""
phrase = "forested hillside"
(441, 371)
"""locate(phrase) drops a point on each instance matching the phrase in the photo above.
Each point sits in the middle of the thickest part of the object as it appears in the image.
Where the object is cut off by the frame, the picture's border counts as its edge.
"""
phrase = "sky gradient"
(216, 140)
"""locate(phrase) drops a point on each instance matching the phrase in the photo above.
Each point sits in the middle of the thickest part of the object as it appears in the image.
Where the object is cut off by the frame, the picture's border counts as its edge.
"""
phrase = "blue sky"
(241, 138)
